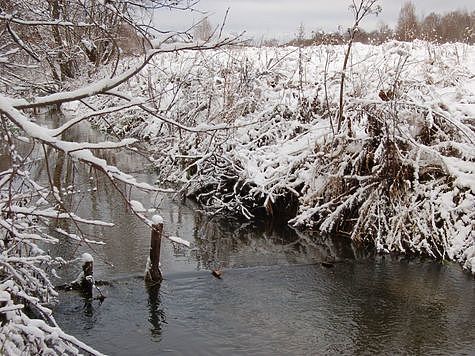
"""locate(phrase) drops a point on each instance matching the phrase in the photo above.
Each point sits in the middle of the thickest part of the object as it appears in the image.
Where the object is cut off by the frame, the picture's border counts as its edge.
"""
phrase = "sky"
(280, 19)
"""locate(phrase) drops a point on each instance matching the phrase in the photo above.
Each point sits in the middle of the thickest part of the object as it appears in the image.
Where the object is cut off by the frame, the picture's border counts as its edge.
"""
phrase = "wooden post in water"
(87, 282)
(152, 273)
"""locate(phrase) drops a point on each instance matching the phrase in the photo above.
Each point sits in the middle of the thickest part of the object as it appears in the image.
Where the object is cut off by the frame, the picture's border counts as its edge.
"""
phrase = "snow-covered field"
(254, 131)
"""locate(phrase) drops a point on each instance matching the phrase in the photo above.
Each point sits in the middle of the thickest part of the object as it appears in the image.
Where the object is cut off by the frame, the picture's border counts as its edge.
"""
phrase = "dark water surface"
(368, 307)
(275, 298)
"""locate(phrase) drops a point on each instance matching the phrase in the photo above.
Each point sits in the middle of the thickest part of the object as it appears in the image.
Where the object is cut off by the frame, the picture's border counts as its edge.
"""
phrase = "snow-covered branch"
(105, 85)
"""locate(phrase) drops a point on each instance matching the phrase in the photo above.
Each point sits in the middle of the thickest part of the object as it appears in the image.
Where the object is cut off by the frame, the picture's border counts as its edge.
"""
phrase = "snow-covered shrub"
(403, 189)
(261, 138)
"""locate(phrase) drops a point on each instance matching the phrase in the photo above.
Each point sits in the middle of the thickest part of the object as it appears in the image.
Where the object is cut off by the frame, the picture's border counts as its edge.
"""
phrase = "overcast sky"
(281, 18)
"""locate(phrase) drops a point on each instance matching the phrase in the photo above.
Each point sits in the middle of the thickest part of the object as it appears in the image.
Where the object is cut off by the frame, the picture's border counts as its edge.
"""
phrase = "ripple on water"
(369, 308)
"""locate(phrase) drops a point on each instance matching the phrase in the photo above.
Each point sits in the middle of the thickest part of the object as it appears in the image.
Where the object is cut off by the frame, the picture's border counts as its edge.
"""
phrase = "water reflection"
(88, 309)
(156, 314)
(409, 307)
(358, 307)
(226, 244)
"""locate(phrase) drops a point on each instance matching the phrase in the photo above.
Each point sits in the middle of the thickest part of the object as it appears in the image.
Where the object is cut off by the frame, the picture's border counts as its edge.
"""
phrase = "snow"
(239, 128)
(52, 213)
(88, 44)
(86, 257)
(78, 151)
(157, 219)
(108, 84)
(137, 206)
(179, 240)
(257, 132)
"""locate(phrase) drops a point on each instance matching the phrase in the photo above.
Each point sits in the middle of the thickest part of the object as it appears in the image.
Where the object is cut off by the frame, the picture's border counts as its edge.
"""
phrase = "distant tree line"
(454, 26)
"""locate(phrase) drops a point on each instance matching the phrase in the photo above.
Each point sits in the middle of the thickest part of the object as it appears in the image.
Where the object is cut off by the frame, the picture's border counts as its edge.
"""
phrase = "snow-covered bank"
(253, 131)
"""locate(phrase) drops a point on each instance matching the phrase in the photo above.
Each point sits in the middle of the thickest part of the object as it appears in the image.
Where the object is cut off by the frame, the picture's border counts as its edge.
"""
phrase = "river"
(275, 297)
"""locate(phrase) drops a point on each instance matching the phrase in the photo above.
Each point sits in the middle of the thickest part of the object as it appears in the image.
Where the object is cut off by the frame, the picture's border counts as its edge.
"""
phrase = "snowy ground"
(245, 129)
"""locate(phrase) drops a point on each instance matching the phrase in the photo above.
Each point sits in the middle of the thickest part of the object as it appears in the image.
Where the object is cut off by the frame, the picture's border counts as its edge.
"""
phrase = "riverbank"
(253, 131)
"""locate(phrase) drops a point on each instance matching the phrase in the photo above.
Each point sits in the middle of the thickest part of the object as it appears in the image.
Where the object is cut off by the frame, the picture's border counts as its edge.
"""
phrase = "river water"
(275, 297)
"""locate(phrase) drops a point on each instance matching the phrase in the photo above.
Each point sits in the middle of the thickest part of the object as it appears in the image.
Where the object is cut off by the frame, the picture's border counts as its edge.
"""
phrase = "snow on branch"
(76, 150)
(398, 174)
(12, 19)
(105, 85)
(53, 214)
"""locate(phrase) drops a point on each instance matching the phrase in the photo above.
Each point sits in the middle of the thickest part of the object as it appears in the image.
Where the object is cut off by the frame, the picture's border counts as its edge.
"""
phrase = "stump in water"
(152, 272)
(87, 281)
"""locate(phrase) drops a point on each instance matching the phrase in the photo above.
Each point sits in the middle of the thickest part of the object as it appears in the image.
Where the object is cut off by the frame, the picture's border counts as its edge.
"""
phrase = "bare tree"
(383, 33)
(407, 28)
(360, 10)
(450, 27)
(457, 26)
(430, 29)
(203, 30)
(63, 37)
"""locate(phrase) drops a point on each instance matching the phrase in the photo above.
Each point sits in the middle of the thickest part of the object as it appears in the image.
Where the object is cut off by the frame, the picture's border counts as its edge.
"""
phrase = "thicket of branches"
(387, 161)
(375, 154)
(258, 137)
(391, 161)
(454, 26)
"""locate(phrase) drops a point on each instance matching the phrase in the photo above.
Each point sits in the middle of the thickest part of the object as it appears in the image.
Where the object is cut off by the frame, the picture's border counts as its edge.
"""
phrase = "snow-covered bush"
(261, 139)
